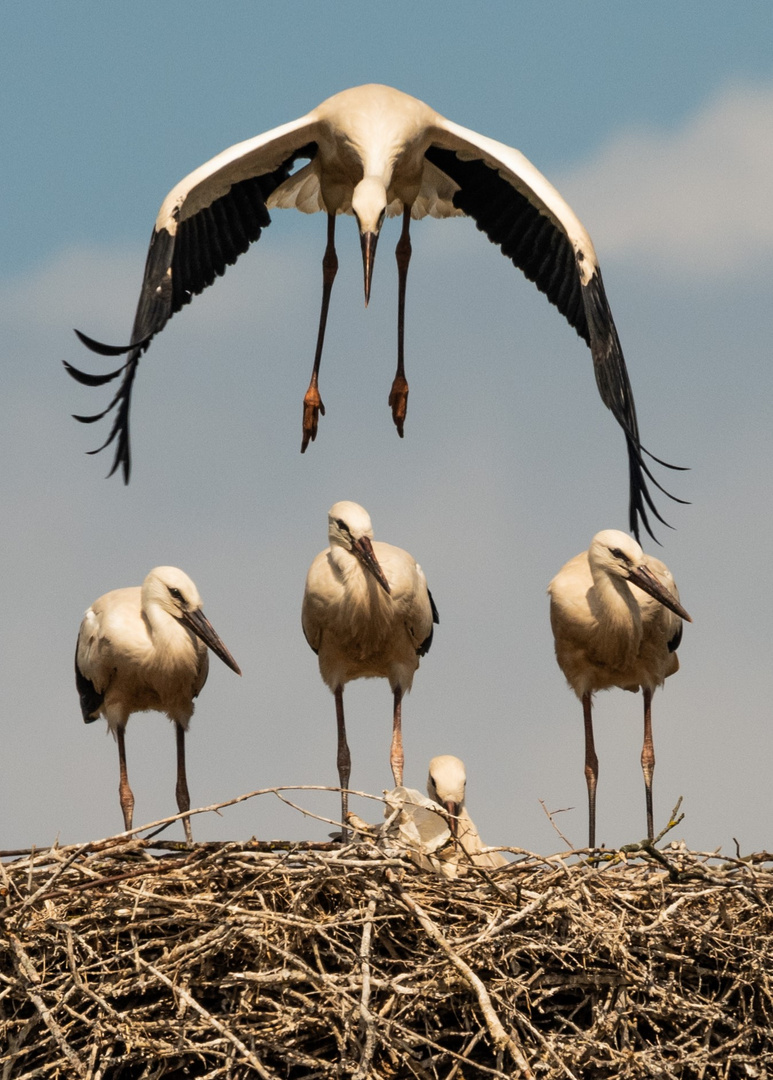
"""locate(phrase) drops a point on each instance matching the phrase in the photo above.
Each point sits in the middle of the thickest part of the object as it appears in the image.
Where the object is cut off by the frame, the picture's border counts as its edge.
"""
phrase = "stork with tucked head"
(617, 621)
(367, 613)
(374, 152)
(145, 648)
(446, 785)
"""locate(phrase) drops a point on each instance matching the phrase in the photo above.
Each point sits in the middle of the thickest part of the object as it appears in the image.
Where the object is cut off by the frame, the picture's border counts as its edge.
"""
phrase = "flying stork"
(373, 151)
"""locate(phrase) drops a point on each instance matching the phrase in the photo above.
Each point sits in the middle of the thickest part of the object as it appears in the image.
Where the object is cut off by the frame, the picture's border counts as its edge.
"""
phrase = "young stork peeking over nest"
(446, 842)
(616, 621)
(367, 614)
(144, 648)
(446, 785)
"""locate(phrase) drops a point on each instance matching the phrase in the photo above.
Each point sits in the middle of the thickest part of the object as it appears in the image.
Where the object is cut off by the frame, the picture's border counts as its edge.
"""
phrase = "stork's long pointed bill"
(368, 243)
(646, 580)
(198, 622)
(363, 549)
(452, 809)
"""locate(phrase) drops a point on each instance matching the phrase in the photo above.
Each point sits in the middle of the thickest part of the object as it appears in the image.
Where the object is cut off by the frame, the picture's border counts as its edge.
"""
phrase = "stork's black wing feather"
(424, 648)
(530, 239)
(180, 265)
(91, 699)
(545, 254)
(676, 640)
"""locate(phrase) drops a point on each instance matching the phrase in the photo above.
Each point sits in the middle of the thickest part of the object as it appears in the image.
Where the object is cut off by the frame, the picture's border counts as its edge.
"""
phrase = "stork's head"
(173, 592)
(349, 527)
(618, 555)
(445, 785)
(369, 205)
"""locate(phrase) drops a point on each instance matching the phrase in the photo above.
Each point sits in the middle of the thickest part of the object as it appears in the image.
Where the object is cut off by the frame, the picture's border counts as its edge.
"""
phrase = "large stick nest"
(136, 960)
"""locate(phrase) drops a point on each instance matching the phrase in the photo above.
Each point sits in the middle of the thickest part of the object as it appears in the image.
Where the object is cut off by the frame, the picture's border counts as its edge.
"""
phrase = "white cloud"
(698, 198)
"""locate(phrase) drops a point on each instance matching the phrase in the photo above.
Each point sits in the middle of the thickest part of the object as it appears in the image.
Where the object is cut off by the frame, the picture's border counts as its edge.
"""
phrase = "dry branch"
(131, 960)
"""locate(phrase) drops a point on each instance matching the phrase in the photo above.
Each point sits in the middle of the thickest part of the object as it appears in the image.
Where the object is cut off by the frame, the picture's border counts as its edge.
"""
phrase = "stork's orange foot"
(312, 407)
(398, 402)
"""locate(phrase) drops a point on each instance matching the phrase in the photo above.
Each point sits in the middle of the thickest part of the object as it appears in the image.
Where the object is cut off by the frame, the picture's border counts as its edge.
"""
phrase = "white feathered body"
(139, 660)
(608, 632)
(355, 627)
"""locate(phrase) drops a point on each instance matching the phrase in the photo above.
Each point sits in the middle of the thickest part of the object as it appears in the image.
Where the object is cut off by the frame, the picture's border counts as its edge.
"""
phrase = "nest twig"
(136, 959)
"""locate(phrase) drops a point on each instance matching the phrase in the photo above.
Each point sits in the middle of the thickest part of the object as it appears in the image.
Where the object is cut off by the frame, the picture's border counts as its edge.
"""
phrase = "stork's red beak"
(368, 243)
(198, 622)
(363, 549)
(646, 580)
(452, 809)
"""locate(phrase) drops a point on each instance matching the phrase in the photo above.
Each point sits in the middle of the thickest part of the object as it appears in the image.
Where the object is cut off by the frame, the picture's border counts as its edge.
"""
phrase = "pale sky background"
(655, 122)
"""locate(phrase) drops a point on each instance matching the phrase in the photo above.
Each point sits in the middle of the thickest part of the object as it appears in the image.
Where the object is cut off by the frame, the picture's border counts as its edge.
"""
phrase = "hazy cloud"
(698, 197)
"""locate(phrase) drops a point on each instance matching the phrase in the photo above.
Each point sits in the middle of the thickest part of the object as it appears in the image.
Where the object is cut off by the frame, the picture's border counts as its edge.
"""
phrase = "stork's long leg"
(398, 395)
(181, 790)
(648, 759)
(344, 762)
(125, 793)
(312, 402)
(591, 767)
(396, 757)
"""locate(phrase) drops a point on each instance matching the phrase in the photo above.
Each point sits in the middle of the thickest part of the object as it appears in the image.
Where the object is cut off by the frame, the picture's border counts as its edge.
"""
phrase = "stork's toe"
(312, 408)
(398, 402)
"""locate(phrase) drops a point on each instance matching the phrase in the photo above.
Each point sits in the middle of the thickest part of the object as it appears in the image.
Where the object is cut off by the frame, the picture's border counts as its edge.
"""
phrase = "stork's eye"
(342, 525)
(176, 594)
(616, 553)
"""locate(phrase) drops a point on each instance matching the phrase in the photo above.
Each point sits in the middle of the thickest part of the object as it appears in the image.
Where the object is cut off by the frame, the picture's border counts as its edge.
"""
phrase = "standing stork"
(367, 613)
(144, 648)
(374, 152)
(616, 621)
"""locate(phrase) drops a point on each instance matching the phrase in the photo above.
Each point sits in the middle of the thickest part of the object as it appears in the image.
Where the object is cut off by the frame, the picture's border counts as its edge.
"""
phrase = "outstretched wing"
(521, 212)
(205, 223)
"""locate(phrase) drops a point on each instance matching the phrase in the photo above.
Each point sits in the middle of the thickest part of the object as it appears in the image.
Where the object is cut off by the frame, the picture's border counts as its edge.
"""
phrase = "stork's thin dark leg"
(343, 761)
(398, 395)
(125, 793)
(396, 757)
(648, 759)
(591, 768)
(312, 402)
(183, 798)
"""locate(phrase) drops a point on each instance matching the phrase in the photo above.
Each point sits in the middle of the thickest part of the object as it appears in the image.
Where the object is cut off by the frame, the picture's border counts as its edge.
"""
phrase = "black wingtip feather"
(101, 348)
(92, 380)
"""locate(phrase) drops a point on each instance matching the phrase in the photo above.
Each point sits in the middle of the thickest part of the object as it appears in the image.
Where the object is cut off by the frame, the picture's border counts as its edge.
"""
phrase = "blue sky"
(656, 123)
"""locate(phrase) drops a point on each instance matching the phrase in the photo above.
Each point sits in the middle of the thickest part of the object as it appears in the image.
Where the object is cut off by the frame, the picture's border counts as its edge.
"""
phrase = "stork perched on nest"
(374, 152)
(144, 648)
(367, 613)
(616, 621)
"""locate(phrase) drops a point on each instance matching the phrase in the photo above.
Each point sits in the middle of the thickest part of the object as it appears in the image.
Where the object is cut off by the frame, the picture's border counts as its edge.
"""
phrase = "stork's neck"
(367, 599)
(618, 617)
(169, 638)
(350, 570)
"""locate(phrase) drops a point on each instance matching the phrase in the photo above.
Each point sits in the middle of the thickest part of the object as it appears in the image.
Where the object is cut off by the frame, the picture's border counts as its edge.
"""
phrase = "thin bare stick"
(493, 1023)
